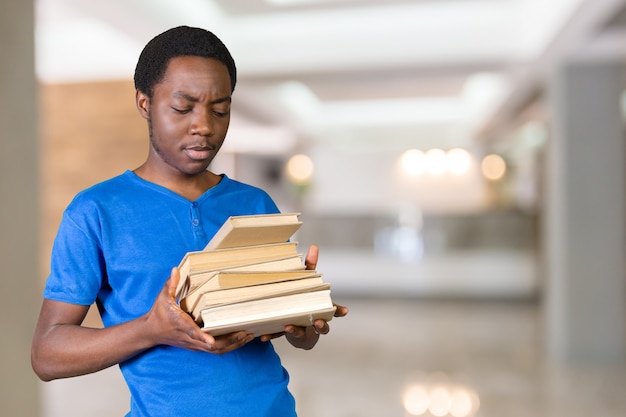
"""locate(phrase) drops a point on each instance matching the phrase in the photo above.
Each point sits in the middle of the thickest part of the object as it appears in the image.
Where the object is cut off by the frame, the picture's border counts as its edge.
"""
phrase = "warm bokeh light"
(413, 162)
(440, 399)
(300, 169)
(461, 403)
(458, 161)
(493, 167)
(436, 161)
(416, 400)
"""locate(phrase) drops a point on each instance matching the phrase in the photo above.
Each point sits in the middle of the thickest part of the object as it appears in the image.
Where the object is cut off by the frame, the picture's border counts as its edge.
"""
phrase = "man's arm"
(63, 348)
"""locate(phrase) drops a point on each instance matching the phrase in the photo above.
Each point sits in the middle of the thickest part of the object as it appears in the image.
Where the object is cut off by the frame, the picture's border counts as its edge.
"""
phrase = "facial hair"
(153, 143)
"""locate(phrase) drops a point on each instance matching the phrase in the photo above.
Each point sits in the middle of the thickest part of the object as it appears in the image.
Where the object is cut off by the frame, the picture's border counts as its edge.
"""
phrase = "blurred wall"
(89, 132)
(19, 219)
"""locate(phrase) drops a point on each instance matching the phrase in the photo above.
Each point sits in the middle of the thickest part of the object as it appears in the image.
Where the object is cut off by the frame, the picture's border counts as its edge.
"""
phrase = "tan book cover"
(194, 262)
(289, 263)
(255, 230)
(269, 315)
(249, 293)
(219, 280)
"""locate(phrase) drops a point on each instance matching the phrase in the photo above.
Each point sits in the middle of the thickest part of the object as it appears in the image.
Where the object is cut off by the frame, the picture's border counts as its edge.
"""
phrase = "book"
(269, 315)
(251, 277)
(258, 292)
(255, 229)
(198, 261)
(219, 280)
(197, 278)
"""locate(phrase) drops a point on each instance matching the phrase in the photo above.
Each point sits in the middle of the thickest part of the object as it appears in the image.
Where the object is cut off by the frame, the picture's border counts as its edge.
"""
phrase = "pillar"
(20, 291)
(585, 213)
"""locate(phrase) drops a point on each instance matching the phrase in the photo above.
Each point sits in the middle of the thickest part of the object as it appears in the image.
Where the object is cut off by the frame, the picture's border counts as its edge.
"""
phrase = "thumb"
(311, 257)
(172, 283)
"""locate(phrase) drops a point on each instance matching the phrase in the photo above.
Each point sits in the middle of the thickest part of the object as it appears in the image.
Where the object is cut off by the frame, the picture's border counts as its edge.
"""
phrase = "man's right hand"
(170, 325)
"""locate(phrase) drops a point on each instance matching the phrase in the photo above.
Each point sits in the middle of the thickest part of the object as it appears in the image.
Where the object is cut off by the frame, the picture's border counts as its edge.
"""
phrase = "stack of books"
(251, 277)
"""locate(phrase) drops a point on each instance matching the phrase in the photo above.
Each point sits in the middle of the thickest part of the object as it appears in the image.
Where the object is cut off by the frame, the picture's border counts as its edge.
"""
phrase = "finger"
(193, 339)
(321, 327)
(311, 257)
(341, 311)
(196, 334)
(295, 331)
(230, 342)
(200, 345)
(206, 339)
(268, 337)
(172, 282)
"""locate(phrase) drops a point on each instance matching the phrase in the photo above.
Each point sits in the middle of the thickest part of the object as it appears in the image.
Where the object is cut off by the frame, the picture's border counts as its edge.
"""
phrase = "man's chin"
(193, 171)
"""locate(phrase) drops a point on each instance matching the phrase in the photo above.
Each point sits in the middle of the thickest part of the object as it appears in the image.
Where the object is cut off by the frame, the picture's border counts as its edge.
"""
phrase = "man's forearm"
(68, 350)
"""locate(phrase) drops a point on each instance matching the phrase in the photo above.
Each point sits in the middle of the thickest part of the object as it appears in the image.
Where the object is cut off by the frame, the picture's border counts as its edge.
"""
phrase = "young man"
(118, 241)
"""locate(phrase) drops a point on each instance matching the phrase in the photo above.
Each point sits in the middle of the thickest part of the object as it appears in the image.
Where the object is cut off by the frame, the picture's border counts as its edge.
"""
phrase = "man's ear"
(143, 104)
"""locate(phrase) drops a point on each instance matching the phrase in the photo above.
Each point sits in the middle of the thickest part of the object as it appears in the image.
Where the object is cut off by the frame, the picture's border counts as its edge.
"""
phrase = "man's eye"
(181, 111)
(220, 113)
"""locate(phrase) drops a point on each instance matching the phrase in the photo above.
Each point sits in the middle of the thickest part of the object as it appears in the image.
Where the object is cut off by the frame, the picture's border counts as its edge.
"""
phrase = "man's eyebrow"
(226, 99)
(193, 99)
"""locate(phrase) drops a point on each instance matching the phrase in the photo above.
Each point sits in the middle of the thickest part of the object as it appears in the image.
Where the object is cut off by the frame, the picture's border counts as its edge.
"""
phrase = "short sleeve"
(76, 266)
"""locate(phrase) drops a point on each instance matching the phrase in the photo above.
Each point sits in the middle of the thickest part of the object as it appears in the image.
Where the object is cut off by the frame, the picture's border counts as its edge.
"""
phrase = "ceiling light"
(300, 169)
(458, 161)
(436, 163)
(493, 167)
(413, 162)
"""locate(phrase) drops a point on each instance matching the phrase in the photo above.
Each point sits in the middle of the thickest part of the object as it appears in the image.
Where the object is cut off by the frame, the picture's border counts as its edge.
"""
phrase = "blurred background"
(460, 163)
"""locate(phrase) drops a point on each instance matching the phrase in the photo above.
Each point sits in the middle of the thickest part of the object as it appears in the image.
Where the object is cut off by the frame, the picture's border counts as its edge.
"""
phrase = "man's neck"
(191, 187)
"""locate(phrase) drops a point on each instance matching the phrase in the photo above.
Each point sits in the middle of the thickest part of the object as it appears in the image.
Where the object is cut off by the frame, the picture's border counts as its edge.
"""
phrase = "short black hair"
(175, 42)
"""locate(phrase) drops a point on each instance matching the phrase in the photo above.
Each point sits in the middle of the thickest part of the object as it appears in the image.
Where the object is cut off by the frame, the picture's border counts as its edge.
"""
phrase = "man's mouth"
(198, 152)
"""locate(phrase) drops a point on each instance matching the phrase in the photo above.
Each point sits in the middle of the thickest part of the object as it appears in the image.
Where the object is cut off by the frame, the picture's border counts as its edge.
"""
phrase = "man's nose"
(202, 123)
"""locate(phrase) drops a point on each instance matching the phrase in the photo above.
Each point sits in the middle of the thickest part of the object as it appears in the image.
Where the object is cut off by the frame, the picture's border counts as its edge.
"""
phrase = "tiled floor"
(385, 346)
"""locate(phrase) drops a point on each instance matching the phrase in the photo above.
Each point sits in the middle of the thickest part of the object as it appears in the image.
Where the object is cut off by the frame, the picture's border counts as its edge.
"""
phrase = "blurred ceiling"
(363, 74)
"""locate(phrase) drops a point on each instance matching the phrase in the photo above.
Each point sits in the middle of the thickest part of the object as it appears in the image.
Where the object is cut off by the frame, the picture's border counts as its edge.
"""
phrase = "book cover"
(193, 281)
(269, 315)
(220, 280)
(238, 295)
(255, 230)
(202, 261)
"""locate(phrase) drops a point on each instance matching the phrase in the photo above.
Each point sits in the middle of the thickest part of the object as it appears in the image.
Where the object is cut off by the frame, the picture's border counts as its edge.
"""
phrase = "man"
(118, 241)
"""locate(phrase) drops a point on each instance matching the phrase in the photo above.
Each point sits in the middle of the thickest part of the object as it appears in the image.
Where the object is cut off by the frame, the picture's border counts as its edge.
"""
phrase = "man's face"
(188, 115)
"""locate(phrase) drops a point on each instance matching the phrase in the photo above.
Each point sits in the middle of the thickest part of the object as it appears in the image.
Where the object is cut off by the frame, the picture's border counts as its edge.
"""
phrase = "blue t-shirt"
(116, 245)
